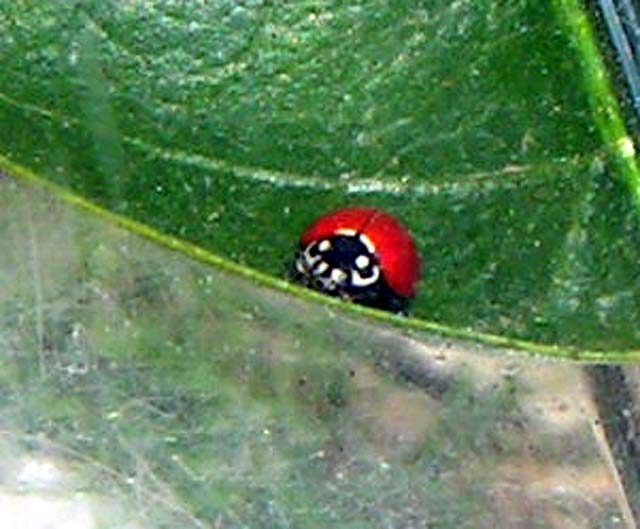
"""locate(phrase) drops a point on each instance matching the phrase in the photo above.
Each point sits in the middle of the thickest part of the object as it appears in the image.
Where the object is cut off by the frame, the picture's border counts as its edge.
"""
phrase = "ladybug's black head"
(346, 266)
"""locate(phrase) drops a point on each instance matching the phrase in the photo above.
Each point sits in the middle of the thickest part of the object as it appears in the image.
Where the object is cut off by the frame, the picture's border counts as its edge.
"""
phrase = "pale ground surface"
(39, 493)
(545, 461)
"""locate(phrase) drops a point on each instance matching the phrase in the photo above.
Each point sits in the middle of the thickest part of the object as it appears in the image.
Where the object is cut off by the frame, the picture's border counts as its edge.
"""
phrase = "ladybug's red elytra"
(360, 254)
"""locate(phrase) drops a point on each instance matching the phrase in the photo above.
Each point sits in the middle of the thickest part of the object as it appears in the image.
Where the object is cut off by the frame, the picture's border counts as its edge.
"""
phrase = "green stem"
(602, 99)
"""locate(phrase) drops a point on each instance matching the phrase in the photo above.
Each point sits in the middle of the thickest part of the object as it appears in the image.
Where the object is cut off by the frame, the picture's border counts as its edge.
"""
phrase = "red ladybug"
(360, 254)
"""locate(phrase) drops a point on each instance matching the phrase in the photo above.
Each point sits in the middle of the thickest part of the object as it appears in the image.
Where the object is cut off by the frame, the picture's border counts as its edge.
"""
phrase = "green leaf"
(487, 127)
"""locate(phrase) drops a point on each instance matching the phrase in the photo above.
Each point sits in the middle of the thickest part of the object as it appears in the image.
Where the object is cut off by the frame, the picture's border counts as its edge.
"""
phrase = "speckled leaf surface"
(234, 124)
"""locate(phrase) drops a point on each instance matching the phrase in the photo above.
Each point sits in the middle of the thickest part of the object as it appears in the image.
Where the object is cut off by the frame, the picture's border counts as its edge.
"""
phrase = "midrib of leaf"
(507, 177)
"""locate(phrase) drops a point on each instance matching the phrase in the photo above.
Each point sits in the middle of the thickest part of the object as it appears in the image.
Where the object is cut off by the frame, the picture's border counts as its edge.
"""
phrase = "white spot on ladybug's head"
(321, 268)
(339, 276)
(362, 261)
(324, 245)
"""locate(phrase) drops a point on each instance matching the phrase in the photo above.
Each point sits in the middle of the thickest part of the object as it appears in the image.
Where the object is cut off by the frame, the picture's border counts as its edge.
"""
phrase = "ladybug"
(360, 254)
